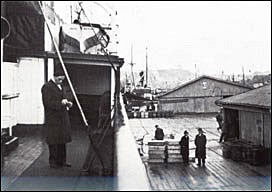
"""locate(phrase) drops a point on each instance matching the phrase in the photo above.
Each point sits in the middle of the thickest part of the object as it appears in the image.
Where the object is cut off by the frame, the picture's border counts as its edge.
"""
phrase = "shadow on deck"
(27, 167)
(218, 174)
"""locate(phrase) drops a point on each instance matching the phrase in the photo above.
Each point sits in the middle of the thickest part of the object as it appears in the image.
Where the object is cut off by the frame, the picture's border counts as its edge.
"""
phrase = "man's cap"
(200, 130)
(185, 132)
(156, 126)
(59, 72)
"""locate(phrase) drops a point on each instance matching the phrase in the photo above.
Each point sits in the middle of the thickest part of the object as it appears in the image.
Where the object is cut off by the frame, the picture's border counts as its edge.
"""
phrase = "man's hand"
(64, 101)
(69, 104)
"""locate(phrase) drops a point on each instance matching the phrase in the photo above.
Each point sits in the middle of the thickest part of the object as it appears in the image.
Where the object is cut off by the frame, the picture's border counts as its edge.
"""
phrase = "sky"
(209, 37)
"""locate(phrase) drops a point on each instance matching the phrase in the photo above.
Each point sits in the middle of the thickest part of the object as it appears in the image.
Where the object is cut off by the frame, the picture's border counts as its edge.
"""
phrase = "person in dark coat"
(219, 119)
(159, 134)
(57, 122)
(200, 142)
(152, 106)
(184, 147)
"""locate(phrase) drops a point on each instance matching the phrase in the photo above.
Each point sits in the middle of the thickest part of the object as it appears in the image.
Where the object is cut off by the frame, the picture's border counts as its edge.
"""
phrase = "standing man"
(57, 122)
(159, 134)
(220, 121)
(200, 142)
(184, 147)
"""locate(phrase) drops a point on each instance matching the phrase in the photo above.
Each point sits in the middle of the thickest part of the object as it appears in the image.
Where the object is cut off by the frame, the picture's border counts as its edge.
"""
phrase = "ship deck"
(26, 168)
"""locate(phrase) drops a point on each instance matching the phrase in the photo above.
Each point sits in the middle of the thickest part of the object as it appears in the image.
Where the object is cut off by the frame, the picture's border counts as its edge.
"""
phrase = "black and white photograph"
(135, 95)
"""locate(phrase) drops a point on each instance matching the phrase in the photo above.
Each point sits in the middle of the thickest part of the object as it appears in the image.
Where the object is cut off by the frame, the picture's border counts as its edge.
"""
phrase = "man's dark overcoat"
(57, 122)
(159, 134)
(200, 142)
(184, 146)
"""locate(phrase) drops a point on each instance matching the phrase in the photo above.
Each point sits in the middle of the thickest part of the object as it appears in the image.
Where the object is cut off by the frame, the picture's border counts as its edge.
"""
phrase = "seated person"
(159, 135)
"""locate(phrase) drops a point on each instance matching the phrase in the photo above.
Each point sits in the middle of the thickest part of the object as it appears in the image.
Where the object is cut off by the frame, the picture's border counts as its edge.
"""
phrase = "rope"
(102, 46)
(95, 147)
(74, 94)
(71, 86)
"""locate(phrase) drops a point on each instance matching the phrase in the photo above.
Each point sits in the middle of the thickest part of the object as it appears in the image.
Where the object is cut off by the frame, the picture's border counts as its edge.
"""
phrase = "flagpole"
(146, 70)
(64, 68)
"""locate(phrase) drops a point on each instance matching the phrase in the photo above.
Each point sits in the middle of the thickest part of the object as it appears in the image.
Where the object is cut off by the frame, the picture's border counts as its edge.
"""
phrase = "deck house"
(247, 116)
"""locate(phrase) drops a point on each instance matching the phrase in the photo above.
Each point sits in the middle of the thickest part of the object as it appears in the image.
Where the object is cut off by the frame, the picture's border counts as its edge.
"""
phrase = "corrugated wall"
(201, 96)
(251, 126)
(207, 87)
(195, 105)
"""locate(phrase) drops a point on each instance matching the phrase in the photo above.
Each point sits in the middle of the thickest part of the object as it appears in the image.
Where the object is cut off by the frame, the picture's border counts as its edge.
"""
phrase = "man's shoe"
(66, 165)
(85, 170)
(198, 164)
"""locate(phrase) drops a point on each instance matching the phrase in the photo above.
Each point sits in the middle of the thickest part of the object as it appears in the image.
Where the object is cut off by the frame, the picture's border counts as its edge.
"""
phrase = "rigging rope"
(102, 46)
(73, 91)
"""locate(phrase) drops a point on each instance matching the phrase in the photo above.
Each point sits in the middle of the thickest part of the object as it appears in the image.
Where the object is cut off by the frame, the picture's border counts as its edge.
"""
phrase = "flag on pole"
(80, 38)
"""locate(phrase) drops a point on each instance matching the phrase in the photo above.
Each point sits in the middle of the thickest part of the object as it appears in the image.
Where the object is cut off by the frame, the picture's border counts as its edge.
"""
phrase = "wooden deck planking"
(178, 177)
(20, 159)
(219, 173)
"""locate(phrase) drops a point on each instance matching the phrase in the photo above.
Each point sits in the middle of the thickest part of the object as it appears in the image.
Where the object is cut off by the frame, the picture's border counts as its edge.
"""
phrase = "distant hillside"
(163, 78)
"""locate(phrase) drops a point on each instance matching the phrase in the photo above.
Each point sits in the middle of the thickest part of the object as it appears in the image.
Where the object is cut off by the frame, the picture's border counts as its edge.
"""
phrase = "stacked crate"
(173, 151)
(156, 151)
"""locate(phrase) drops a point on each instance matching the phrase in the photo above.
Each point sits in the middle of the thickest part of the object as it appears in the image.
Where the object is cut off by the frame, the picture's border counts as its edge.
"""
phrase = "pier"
(218, 174)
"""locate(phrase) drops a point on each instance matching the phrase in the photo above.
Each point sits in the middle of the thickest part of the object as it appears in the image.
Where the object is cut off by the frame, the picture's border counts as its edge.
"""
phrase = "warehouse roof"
(260, 98)
(202, 77)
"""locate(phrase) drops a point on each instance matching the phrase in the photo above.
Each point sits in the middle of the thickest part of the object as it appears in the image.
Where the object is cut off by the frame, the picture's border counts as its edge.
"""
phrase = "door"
(231, 123)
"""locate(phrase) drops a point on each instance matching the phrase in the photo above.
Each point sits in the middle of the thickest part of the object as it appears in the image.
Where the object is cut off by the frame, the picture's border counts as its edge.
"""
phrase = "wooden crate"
(156, 151)
(174, 160)
(156, 143)
(156, 161)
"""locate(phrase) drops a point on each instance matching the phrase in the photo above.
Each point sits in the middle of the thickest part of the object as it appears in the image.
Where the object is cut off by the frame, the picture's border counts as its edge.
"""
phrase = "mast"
(146, 69)
(195, 72)
(71, 13)
(243, 75)
(131, 63)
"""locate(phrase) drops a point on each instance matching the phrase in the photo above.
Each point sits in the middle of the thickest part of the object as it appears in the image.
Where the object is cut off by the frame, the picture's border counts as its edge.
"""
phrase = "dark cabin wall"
(90, 80)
